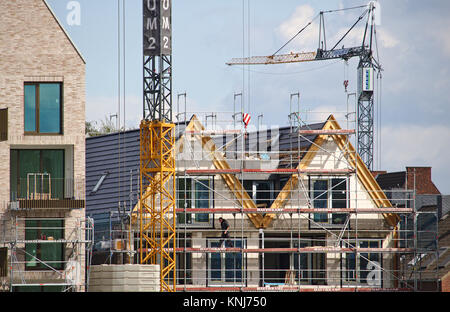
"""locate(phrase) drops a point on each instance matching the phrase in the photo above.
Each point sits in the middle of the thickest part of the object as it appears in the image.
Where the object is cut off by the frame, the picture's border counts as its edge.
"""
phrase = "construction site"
(205, 201)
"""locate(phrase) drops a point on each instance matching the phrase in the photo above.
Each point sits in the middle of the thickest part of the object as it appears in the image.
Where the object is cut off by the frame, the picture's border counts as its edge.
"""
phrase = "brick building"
(431, 217)
(42, 149)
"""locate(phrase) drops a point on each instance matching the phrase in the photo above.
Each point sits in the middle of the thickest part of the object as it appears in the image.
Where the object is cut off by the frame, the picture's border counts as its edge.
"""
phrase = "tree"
(107, 126)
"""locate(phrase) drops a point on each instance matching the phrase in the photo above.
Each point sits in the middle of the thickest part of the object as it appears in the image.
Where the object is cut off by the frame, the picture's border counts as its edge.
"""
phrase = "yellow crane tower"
(157, 162)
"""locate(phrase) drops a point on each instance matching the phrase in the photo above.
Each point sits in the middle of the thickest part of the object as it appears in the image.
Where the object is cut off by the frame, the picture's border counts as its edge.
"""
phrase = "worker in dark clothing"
(225, 233)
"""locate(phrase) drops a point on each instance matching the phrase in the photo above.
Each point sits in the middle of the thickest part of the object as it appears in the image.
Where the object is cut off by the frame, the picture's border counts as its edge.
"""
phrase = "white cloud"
(386, 39)
(307, 40)
(414, 145)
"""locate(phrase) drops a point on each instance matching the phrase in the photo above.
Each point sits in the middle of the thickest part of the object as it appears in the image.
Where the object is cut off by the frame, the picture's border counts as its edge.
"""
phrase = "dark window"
(46, 253)
(37, 174)
(320, 199)
(194, 193)
(3, 261)
(43, 108)
(261, 192)
(368, 268)
(3, 124)
(329, 193)
(226, 267)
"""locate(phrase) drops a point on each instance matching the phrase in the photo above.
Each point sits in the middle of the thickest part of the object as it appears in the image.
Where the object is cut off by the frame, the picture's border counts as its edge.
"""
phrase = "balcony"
(39, 191)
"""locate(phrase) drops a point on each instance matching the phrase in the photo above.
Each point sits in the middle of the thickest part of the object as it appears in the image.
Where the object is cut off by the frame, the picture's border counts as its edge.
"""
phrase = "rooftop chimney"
(421, 178)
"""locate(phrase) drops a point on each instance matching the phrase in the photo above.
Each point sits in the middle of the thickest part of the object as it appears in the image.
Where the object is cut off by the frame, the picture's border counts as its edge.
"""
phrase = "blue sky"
(413, 43)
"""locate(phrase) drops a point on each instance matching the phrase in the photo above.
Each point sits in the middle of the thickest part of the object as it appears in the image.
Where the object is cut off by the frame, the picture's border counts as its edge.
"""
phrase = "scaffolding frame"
(75, 247)
(390, 253)
(348, 239)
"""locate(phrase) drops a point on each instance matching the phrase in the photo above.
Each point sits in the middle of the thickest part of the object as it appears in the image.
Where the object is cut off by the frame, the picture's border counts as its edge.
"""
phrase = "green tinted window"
(43, 108)
(49, 108)
(25, 164)
(30, 108)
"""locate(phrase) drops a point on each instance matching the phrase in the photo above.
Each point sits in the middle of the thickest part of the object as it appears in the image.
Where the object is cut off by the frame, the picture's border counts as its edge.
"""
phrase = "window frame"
(224, 280)
(254, 192)
(17, 173)
(37, 108)
(313, 224)
(192, 199)
(39, 266)
(357, 274)
(3, 124)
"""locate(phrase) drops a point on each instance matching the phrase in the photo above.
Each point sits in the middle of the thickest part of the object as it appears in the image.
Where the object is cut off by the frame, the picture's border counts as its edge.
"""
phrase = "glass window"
(364, 268)
(3, 124)
(37, 174)
(202, 194)
(30, 108)
(43, 108)
(45, 253)
(225, 267)
(184, 199)
(49, 108)
(320, 199)
(194, 193)
(339, 199)
(260, 191)
(329, 193)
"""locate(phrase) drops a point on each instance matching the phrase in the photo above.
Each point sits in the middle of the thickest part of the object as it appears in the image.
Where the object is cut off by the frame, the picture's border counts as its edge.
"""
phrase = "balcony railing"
(41, 191)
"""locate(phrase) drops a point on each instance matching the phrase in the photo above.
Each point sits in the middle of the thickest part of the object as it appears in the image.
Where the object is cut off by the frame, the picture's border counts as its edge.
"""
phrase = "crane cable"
(321, 12)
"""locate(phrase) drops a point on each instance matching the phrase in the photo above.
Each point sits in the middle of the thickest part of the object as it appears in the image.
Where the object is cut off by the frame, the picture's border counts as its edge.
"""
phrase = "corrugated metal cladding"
(116, 156)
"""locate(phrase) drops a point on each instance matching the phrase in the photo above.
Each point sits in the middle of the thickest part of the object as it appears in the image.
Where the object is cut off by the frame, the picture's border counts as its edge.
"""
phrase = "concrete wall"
(124, 278)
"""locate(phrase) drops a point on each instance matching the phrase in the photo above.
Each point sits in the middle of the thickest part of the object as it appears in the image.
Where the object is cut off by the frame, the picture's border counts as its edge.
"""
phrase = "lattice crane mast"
(366, 67)
(157, 162)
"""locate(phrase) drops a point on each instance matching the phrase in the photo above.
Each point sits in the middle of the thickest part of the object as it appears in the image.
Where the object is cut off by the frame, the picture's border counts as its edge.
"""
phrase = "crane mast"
(366, 67)
(157, 138)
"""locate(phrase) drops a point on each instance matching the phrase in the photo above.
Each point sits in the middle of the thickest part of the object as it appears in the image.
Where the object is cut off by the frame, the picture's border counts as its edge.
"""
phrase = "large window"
(226, 267)
(363, 268)
(43, 108)
(194, 193)
(37, 174)
(329, 193)
(260, 191)
(310, 268)
(46, 253)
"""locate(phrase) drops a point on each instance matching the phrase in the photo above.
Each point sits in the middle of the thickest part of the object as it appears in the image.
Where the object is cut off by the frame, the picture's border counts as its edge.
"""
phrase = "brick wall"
(445, 283)
(35, 48)
(422, 180)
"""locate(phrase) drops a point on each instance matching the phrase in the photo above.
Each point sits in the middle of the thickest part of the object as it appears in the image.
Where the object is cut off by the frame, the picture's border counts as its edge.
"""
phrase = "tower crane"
(366, 67)
(157, 162)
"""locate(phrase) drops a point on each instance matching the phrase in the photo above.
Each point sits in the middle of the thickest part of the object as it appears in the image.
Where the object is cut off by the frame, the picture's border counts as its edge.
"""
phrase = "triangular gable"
(219, 162)
(64, 30)
(364, 175)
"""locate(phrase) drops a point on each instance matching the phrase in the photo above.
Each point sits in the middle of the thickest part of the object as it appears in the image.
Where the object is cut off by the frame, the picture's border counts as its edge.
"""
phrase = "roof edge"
(64, 31)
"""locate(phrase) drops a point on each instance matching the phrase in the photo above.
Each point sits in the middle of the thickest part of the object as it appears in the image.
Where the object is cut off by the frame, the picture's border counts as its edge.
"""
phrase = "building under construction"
(304, 211)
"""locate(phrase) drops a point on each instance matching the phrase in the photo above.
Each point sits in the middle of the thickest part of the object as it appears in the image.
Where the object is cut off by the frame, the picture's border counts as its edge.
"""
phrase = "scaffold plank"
(320, 249)
(295, 210)
(274, 171)
(213, 132)
(327, 132)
